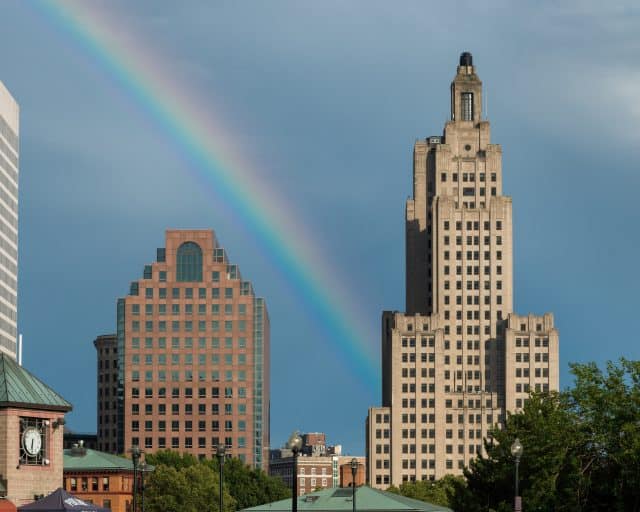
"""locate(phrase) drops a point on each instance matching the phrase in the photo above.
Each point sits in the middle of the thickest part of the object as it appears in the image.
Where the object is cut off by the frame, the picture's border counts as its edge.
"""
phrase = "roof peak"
(19, 387)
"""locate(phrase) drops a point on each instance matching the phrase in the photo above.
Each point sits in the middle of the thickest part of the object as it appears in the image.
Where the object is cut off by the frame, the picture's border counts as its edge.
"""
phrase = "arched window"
(189, 262)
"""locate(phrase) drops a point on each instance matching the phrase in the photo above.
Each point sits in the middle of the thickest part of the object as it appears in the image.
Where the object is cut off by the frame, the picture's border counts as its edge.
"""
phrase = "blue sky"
(328, 98)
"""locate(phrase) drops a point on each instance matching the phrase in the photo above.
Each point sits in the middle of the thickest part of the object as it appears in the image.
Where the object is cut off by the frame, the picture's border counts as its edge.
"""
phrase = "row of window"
(523, 357)
(473, 225)
(525, 388)
(188, 443)
(411, 373)
(538, 372)
(188, 293)
(87, 483)
(472, 448)
(473, 329)
(232, 273)
(187, 376)
(468, 177)
(471, 344)
(472, 270)
(188, 309)
(228, 392)
(188, 409)
(471, 285)
(188, 342)
(471, 191)
(473, 255)
(187, 359)
(472, 240)
(425, 342)
(410, 357)
(475, 315)
(188, 426)
(188, 325)
(524, 342)
(523, 327)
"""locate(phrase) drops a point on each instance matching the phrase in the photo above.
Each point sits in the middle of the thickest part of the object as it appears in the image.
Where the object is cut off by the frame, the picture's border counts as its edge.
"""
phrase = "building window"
(467, 106)
(189, 262)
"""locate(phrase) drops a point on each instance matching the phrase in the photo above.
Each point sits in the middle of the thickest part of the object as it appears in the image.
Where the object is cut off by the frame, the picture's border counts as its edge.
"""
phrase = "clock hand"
(32, 440)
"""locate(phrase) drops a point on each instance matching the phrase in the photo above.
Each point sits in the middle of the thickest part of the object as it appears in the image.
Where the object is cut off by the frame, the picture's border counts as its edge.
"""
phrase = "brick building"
(193, 357)
(98, 477)
(31, 420)
(318, 467)
(106, 347)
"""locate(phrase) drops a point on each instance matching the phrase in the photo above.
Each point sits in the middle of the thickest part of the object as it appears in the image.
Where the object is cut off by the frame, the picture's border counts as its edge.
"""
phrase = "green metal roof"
(93, 459)
(367, 499)
(19, 388)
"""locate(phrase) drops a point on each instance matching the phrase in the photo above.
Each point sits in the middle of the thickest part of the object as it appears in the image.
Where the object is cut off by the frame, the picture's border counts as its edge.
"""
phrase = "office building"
(107, 433)
(459, 357)
(193, 357)
(9, 151)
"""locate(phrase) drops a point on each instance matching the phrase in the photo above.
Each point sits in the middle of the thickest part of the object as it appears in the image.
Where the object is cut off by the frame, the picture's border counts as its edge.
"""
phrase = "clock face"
(32, 441)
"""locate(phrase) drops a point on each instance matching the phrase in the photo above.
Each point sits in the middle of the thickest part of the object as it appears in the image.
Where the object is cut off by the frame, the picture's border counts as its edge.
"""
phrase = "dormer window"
(467, 106)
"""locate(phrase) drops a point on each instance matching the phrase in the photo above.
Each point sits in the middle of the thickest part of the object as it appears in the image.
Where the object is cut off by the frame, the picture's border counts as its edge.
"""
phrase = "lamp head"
(354, 464)
(220, 451)
(135, 452)
(295, 442)
(516, 448)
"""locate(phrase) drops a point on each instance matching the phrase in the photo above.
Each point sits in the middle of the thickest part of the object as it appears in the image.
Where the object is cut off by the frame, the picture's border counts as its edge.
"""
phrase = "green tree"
(181, 481)
(581, 448)
(549, 467)
(438, 492)
(250, 487)
(608, 404)
(192, 488)
(171, 458)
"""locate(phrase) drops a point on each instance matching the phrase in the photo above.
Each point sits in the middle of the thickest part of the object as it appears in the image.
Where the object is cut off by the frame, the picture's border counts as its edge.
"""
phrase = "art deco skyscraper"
(193, 357)
(9, 129)
(459, 358)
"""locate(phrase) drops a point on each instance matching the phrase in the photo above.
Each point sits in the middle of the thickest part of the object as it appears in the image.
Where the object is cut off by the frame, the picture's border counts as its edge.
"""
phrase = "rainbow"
(209, 150)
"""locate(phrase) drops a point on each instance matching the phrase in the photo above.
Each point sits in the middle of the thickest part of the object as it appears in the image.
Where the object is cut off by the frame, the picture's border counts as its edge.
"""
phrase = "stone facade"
(459, 357)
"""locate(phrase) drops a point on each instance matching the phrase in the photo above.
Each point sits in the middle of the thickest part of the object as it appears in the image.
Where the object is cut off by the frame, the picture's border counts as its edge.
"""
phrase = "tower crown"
(466, 91)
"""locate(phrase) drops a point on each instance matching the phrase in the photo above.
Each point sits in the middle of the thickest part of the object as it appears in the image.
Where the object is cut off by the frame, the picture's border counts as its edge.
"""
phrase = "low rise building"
(31, 420)
(318, 467)
(341, 500)
(98, 477)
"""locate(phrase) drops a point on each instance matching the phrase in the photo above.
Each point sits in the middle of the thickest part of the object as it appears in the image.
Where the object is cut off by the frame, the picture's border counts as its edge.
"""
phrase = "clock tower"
(31, 428)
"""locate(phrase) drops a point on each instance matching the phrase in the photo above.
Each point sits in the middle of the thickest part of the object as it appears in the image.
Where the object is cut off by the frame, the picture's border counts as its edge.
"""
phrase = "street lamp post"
(135, 457)
(516, 451)
(354, 471)
(295, 445)
(220, 455)
(143, 468)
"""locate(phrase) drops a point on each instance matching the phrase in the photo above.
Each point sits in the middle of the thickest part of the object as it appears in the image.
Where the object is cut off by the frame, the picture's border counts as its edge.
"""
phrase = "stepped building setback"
(192, 347)
(459, 357)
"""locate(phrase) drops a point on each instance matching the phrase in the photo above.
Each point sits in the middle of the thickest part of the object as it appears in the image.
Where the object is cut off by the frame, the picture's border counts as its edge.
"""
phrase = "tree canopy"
(581, 451)
(182, 483)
